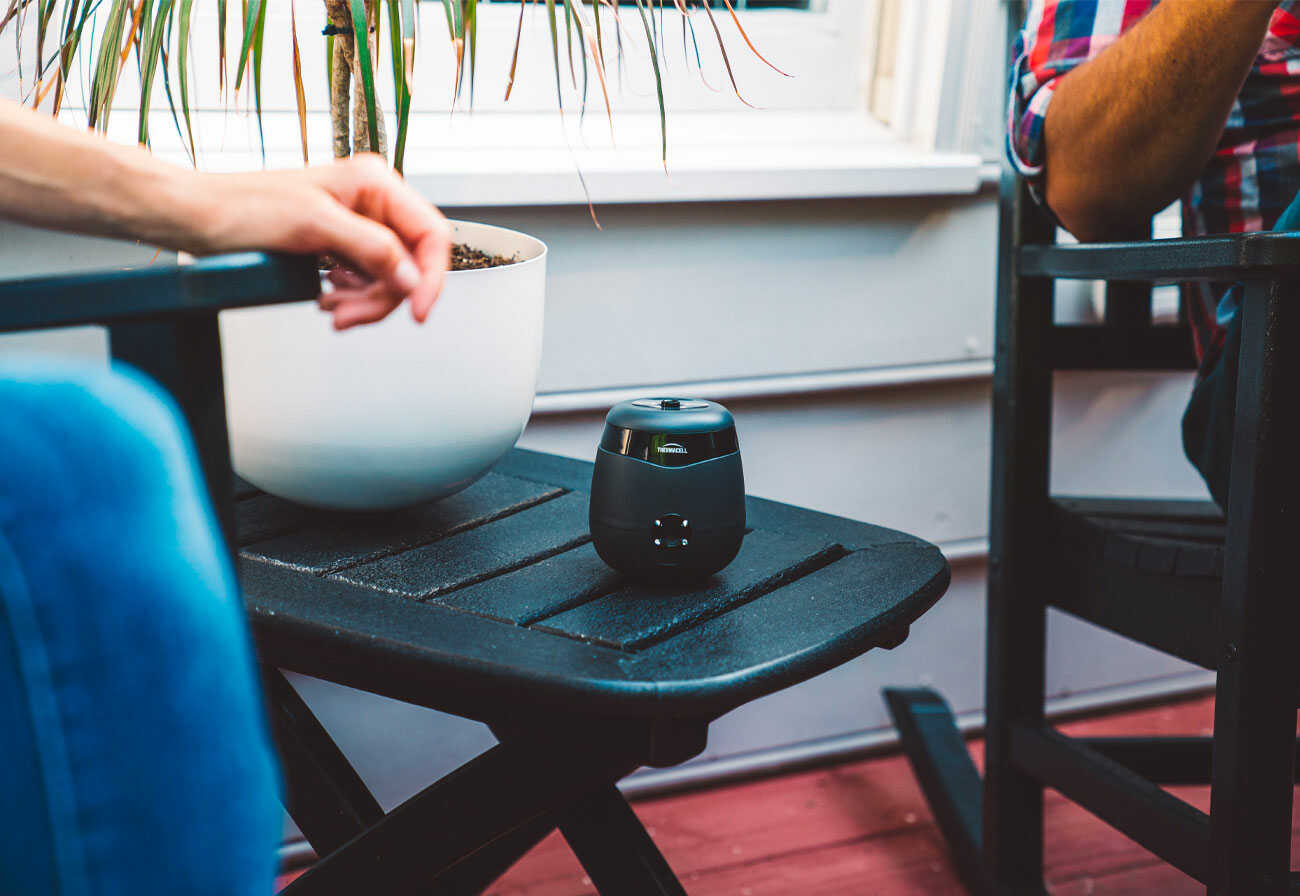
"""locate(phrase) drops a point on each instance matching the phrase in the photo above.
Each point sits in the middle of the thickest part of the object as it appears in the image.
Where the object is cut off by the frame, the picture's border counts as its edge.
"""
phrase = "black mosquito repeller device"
(668, 492)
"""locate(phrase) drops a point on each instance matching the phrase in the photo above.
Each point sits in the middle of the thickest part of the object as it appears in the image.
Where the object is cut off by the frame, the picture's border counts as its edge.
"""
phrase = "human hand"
(391, 244)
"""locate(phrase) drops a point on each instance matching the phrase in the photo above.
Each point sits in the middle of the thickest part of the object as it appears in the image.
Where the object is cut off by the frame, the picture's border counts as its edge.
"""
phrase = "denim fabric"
(1211, 413)
(134, 756)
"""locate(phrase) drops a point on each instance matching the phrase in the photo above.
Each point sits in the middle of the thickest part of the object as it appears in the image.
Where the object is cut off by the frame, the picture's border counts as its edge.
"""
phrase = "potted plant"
(391, 414)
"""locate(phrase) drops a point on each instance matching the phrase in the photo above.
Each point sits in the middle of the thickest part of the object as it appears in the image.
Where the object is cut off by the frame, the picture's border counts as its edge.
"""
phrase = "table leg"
(478, 872)
(491, 799)
(615, 847)
(323, 793)
(937, 753)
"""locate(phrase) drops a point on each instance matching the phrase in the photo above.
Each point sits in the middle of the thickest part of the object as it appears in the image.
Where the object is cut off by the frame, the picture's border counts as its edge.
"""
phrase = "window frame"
(718, 148)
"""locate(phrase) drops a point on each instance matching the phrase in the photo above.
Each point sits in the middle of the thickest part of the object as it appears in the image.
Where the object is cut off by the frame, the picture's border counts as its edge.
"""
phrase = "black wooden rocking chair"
(1216, 589)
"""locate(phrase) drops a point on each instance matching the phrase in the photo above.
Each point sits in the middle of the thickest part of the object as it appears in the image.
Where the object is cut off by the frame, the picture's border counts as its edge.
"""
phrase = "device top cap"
(680, 416)
(670, 432)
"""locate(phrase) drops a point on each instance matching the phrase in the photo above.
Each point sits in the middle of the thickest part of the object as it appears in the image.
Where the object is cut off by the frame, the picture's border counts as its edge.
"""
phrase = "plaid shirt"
(1253, 176)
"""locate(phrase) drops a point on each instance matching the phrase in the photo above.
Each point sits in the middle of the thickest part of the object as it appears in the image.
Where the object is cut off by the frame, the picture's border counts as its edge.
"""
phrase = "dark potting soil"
(463, 258)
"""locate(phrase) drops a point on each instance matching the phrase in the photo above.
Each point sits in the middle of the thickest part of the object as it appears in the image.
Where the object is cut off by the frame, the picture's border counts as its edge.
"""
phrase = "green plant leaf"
(555, 51)
(44, 12)
(568, 42)
(471, 29)
(141, 28)
(183, 70)
(221, 45)
(165, 58)
(107, 66)
(300, 95)
(571, 21)
(252, 12)
(451, 19)
(699, 63)
(73, 27)
(749, 43)
(149, 51)
(401, 39)
(514, 56)
(659, 81)
(592, 46)
(259, 40)
(362, 36)
(726, 62)
(171, 97)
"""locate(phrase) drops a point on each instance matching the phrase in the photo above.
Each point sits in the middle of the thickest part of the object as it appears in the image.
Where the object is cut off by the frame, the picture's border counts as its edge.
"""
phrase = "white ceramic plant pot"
(395, 413)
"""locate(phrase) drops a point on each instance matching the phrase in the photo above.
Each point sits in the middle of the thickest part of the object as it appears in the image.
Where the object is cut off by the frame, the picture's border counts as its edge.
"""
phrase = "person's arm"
(1128, 131)
(396, 244)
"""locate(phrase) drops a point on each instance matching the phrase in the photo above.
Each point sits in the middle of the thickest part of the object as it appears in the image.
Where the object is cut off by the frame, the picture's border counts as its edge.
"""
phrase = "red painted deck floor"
(863, 827)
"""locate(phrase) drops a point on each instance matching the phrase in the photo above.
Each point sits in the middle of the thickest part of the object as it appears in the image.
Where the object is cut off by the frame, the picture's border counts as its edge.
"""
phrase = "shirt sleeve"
(1059, 36)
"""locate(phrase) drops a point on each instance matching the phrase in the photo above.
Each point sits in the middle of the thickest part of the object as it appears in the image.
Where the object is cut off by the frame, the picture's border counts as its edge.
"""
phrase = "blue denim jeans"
(134, 755)
(1211, 413)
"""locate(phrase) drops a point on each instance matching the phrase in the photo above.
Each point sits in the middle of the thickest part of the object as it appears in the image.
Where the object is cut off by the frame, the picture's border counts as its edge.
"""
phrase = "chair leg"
(615, 847)
(1016, 636)
(1255, 709)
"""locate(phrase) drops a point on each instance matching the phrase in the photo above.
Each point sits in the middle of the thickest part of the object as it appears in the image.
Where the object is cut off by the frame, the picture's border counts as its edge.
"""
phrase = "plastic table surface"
(493, 602)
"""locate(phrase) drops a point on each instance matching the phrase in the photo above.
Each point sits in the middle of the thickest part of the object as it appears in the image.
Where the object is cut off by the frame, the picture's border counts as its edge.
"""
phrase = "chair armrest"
(1255, 256)
(207, 285)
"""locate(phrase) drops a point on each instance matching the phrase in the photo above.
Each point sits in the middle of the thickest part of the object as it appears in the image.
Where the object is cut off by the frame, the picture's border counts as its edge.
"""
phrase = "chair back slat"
(163, 321)
(183, 355)
(1128, 305)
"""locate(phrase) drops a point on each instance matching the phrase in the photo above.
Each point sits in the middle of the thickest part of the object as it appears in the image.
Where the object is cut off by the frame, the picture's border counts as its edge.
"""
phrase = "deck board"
(863, 827)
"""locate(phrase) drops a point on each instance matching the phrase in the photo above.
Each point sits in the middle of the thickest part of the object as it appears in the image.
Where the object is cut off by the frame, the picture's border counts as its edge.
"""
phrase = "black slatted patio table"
(493, 605)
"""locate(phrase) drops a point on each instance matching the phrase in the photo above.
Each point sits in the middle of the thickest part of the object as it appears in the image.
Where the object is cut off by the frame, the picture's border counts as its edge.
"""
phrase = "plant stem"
(340, 87)
(360, 123)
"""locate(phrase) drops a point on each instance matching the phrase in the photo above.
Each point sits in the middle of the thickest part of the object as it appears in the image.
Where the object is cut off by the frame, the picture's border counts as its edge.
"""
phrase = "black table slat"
(242, 488)
(575, 475)
(336, 541)
(839, 608)
(261, 516)
(851, 534)
(637, 615)
(553, 469)
(456, 623)
(424, 653)
(478, 554)
(539, 590)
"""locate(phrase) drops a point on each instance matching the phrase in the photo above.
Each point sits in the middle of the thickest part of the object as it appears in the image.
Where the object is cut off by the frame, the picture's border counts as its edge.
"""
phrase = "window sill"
(530, 159)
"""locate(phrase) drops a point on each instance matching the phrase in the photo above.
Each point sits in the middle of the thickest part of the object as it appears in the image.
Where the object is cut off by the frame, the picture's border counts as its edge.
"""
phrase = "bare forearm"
(67, 179)
(1129, 131)
(396, 246)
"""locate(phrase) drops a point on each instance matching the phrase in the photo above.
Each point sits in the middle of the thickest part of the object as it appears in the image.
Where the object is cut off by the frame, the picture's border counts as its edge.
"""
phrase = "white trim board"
(771, 386)
(476, 160)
